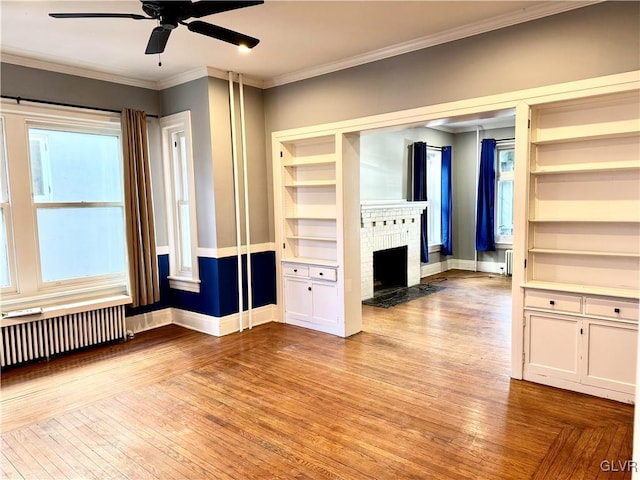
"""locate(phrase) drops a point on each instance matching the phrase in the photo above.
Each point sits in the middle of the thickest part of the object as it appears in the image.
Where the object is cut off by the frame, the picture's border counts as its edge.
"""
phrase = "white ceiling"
(299, 39)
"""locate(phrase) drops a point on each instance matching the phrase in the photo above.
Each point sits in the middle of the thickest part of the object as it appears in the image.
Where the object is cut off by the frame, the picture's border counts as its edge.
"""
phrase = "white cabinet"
(582, 267)
(592, 350)
(309, 299)
(318, 230)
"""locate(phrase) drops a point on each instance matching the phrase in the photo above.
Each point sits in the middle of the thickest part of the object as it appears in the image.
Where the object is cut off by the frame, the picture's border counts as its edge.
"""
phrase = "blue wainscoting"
(218, 295)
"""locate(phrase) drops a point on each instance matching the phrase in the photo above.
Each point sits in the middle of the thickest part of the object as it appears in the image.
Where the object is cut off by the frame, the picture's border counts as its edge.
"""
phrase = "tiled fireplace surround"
(386, 225)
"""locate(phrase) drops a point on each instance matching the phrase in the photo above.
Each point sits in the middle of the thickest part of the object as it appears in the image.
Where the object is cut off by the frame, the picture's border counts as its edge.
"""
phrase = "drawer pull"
(295, 270)
(552, 302)
(321, 273)
(309, 288)
(616, 310)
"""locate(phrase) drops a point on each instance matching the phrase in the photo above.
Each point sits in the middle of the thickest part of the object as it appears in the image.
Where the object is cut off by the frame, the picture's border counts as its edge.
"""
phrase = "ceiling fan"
(170, 14)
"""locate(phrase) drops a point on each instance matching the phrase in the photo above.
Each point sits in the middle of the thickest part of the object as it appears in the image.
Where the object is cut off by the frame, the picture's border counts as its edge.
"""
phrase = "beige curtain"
(141, 238)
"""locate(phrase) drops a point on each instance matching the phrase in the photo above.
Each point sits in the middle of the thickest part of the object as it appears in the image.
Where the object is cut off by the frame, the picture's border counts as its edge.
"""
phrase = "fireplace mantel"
(389, 224)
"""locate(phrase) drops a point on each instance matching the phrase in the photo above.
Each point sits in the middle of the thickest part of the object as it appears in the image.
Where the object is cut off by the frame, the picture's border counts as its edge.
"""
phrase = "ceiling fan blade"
(204, 8)
(135, 16)
(157, 40)
(223, 34)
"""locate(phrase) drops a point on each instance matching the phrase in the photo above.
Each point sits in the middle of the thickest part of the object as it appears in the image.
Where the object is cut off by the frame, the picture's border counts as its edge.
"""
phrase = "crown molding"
(501, 21)
(77, 71)
(173, 81)
(533, 12)
(201, 72)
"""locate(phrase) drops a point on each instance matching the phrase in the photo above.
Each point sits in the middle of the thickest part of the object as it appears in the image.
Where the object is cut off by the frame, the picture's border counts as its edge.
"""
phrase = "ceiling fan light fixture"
(170, 14)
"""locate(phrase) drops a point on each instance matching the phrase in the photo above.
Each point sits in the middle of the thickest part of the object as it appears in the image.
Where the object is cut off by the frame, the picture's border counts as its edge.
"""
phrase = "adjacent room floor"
(423, 392)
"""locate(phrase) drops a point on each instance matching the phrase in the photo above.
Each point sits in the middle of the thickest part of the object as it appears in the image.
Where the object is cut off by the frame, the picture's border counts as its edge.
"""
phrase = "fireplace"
(388, 225)
(390, 268)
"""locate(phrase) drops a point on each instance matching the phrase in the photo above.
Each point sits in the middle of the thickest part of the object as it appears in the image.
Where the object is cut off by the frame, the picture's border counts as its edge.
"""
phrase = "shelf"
(591, 169)
(583, 289)
(619, 129)
(311, 261)
(311, 217)
(315, 239)
(310, 163)
(587, 253)
(312, 183)
(582, 220)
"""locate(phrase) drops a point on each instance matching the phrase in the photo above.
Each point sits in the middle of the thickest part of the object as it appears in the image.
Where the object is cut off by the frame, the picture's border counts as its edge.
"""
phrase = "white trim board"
(233, 251)
(220, 326)
(217, 326)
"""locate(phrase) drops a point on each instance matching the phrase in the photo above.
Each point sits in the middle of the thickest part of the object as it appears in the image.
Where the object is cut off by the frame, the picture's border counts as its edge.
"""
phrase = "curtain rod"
(61, 104)
(505, 140)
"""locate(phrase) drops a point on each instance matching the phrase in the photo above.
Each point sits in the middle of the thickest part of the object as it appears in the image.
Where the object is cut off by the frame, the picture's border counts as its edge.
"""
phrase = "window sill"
(52, 311)
(59, 297)
(435, 248)
(185, 284)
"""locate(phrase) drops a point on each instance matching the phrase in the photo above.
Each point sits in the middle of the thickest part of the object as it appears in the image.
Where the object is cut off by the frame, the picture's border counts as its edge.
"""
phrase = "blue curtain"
(486, 195)
(446, 204)
(420, 193)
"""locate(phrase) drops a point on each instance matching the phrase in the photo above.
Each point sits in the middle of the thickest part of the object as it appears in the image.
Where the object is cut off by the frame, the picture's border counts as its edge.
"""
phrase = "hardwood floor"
(422, 393)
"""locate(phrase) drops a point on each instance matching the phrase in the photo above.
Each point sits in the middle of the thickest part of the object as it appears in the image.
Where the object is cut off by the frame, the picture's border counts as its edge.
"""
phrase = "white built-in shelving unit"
(317, 222)
(583, 245)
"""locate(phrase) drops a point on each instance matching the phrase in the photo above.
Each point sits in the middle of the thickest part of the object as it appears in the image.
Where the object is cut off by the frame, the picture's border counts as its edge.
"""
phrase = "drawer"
(294, 270)
(612, 308)
(323, 273)
(559, 302)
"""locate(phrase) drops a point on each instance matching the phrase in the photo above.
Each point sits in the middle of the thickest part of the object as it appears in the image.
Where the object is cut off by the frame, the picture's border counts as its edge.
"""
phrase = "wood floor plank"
(422, 393)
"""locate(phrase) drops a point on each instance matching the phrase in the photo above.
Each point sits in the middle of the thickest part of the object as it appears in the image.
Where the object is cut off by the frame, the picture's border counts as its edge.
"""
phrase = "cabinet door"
(297, 298)
(324, 303)
(609, 355)
(552, 346)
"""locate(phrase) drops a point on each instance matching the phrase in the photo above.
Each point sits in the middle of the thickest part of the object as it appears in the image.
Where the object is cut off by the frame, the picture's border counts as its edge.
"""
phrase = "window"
(67, 238)
(7, 273)
(181, 212)
(434, 188)
(505, 159)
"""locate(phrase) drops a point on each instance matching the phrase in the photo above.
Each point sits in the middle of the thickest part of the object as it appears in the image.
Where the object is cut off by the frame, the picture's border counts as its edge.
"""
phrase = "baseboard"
(581, 388)
(429, 269)
(458, 264)
(147, 321)
(219, 326)
(491, 267)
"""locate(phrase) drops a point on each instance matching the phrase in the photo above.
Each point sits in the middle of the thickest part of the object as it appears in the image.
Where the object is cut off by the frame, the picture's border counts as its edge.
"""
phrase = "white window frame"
(502, 240)
(28, 289)
(45, 166)
(434, 209)
(5, 206)
(173, 127)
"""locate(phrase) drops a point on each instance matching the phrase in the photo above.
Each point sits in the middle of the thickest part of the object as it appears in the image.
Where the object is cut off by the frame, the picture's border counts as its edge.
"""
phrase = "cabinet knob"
(616, 310)
(295, 270)
(552, 302)
(309, 288)
(321, 273)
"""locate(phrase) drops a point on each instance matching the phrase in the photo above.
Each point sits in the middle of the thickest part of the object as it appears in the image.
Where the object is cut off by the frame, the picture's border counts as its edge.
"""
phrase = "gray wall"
(194, 96)
(464, 185)
(28, 82)
(220, 130)
(208, 101)
(593, 41)
(384, 160)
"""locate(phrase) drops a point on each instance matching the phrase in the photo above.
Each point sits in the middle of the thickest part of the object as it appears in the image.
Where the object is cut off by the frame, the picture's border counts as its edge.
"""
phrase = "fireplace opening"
(389, 268)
